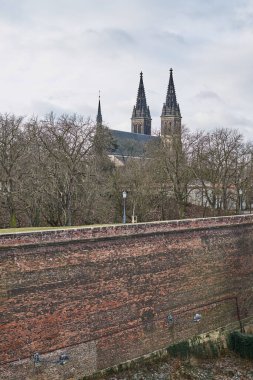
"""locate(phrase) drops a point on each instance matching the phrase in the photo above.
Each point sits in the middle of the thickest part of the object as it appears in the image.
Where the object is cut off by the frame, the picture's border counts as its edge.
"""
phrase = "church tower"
(171, 116)
(99, 118)
(141, 119)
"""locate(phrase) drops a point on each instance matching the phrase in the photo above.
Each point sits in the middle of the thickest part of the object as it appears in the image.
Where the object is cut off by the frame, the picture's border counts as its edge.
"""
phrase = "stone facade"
(103, 295)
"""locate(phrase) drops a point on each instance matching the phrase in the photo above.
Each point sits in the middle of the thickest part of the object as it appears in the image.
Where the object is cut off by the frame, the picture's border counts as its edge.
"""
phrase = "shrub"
(242, 344)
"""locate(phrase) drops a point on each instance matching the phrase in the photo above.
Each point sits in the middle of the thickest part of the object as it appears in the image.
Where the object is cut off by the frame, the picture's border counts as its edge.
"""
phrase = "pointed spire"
(171, 107)
(141, 109)
(141, 119)
(171, 99)
(141, 103)
(99, 114)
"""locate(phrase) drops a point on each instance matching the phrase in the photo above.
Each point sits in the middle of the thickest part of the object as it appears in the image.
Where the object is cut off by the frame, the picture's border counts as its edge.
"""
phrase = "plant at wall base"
(13, 221)
(181, 349)
(194, 347)
(240, 343)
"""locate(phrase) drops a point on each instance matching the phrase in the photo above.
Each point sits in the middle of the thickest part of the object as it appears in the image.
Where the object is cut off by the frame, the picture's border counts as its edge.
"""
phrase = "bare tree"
(219, 162)
(12, 149)
(171, 161)
(67, 142)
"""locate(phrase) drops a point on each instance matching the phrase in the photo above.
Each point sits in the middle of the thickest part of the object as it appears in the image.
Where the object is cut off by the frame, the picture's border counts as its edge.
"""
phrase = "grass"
(32, 229)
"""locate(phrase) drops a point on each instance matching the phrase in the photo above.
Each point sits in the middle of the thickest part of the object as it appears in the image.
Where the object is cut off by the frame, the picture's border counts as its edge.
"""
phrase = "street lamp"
(124, 195)
(240, 200)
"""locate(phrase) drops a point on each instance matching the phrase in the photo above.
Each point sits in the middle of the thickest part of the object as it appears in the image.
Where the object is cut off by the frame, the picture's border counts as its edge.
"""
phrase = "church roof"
(128, 144)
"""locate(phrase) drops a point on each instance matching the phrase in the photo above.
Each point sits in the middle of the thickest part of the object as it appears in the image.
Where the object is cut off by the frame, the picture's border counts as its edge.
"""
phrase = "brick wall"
(102, 295)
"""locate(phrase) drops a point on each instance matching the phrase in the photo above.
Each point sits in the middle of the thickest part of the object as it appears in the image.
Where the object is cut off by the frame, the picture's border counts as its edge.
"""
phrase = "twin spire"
(141, 118)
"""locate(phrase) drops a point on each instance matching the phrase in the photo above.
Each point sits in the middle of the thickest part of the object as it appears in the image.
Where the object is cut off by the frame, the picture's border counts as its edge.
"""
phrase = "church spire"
(99, 114)
(171, 116)
(141, 103)
(171, 106)
(171, 99)
(141, 119)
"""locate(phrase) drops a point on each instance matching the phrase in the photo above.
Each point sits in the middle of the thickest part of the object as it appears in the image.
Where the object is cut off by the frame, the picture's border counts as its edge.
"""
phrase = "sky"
(56, 55)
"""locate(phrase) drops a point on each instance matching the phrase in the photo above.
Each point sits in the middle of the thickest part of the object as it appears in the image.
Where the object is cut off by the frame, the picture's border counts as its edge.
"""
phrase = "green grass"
(31, 229)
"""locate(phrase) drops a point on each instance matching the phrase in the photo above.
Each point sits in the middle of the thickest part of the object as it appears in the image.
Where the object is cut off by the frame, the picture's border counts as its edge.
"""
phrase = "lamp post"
(124, 195)
(240, 200)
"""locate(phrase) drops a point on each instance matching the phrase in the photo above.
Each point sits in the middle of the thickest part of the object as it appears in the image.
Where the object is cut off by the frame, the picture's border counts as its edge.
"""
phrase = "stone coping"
(113, 230)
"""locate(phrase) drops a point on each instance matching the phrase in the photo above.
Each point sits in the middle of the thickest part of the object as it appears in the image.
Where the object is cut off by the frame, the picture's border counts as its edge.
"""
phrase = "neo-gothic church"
(132, 144)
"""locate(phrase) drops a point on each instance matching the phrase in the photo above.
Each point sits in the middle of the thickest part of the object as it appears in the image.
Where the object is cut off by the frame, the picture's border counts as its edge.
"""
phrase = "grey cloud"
(202, 9)
(239, 121)
(108, 37)
(12, 11)
(44, 107)
(208, 95)
(59, 47)
(169, 36)
(244, 15)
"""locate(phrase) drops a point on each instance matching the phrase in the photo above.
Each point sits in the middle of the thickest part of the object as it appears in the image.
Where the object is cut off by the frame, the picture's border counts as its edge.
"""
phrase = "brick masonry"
(102, 295)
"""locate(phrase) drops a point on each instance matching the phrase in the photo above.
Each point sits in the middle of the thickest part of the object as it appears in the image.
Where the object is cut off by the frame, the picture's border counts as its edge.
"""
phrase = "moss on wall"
(242, 344)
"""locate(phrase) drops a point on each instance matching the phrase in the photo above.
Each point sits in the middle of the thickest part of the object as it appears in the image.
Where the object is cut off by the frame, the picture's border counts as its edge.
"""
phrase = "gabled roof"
(130, 144)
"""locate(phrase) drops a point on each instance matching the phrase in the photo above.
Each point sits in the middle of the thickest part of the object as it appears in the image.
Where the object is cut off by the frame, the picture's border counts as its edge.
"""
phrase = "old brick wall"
(102, 295)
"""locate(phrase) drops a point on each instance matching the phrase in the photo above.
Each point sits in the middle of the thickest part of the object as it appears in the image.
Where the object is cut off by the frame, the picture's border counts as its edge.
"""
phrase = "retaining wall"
(102, 295)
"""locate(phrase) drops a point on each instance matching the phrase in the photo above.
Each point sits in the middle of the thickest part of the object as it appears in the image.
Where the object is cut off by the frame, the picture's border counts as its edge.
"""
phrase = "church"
(132, 144)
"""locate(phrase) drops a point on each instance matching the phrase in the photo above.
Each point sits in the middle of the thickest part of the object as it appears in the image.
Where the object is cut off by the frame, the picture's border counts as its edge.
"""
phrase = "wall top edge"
(75, 233)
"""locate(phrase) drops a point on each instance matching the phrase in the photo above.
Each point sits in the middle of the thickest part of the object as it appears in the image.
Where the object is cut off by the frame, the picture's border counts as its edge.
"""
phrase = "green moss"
(181, 349)
(242, 344)
(194, 347)
(214, 349)
(13, 221)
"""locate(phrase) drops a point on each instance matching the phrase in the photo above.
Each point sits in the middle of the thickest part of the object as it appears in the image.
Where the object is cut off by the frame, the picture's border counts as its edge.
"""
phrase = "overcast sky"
(57, 54)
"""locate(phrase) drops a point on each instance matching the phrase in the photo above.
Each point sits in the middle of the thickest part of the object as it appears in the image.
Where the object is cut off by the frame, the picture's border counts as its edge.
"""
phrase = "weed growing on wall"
(181, 349)
(242, 344)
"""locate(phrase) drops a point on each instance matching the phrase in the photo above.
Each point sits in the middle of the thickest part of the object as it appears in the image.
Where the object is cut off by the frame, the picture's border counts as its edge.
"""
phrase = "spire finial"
(141, 74)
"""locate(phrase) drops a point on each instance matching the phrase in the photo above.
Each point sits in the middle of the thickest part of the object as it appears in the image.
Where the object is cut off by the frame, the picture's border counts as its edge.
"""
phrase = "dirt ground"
(230, 367)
